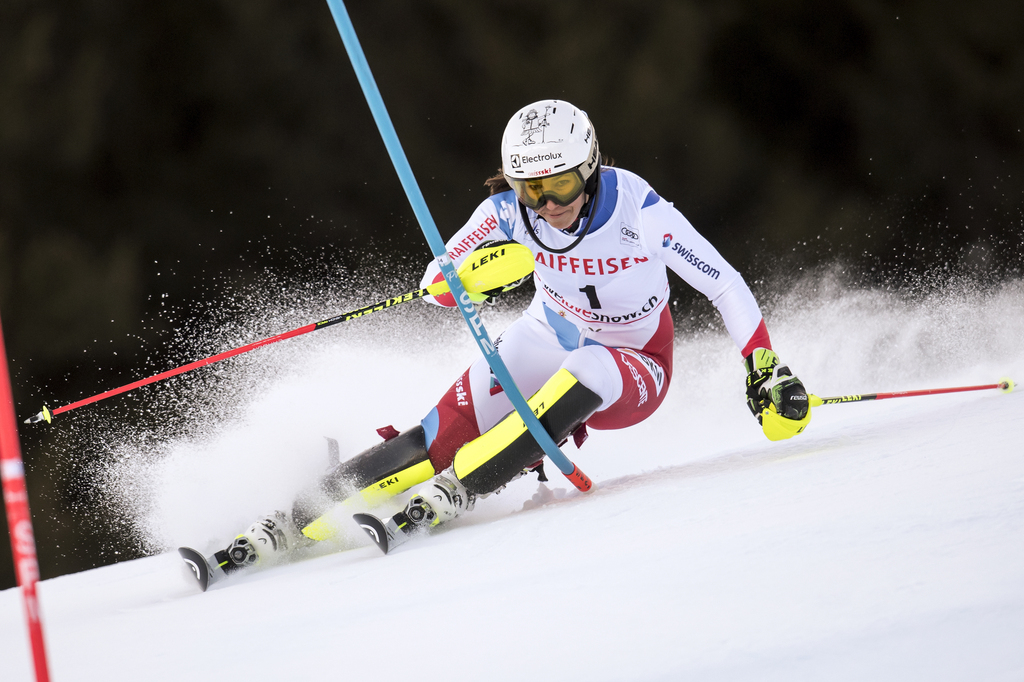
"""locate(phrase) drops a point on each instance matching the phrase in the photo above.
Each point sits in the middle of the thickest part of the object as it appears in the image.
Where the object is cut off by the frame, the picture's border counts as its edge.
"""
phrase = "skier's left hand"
(775, 396)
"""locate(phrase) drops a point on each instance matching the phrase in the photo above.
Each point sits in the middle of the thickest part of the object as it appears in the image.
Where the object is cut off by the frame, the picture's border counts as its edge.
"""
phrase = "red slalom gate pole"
(23, 544)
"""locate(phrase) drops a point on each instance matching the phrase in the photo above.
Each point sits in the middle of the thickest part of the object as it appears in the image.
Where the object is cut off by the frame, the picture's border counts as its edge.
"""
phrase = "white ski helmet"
(549, 151)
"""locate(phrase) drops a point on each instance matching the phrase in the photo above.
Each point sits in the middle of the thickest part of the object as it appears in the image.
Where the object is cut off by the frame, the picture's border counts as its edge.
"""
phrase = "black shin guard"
(383, 471)
(496, 457)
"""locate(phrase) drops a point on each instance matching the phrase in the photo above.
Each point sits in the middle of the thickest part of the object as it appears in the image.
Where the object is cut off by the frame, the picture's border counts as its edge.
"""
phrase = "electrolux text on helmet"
(550, 156)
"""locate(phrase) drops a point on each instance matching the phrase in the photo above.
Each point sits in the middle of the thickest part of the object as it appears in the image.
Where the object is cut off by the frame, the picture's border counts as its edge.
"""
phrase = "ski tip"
(197, 562)
(374, 527)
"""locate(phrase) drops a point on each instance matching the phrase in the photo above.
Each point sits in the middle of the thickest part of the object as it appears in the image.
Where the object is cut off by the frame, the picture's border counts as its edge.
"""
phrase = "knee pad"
(497, 456)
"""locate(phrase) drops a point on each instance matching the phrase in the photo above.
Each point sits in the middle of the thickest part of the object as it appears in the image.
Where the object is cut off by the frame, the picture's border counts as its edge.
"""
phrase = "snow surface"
(885, 543)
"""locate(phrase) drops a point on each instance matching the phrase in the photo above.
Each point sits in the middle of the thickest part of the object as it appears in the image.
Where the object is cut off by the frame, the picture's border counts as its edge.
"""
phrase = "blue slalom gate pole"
(437, 247)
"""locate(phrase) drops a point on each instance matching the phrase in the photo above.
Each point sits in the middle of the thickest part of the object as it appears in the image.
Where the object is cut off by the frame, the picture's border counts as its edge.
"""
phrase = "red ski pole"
(490, 268)
(1005, 385)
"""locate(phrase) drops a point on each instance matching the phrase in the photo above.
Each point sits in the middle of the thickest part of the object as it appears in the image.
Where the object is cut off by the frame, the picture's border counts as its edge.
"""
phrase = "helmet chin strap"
(586, 228)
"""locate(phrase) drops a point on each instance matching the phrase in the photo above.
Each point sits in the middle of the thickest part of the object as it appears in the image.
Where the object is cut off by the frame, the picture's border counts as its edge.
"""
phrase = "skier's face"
(561, 217)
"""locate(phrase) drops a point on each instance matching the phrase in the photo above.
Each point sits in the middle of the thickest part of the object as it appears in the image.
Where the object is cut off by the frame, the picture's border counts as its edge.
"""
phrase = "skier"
(593, 349)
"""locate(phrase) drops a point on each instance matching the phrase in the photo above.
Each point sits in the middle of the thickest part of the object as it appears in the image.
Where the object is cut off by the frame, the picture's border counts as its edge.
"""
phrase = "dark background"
(156, 154)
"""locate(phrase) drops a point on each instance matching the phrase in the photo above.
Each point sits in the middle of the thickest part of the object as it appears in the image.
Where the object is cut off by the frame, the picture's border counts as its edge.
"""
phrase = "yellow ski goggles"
(563, 189)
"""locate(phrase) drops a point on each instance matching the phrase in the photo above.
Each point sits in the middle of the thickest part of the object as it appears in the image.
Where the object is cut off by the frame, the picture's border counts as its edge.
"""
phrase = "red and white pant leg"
(631, 382)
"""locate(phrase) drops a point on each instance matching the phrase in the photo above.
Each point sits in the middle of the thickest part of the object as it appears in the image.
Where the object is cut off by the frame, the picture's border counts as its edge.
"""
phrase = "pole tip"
(580, 479)
(1006, 385)
(45, 415)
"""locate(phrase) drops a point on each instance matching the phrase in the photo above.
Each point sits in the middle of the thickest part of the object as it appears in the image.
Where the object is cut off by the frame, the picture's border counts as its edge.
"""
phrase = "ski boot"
(439, 500)
(265, 542)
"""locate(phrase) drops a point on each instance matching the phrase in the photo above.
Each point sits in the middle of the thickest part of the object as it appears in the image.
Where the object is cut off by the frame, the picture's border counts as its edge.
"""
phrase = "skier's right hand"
(489, 296)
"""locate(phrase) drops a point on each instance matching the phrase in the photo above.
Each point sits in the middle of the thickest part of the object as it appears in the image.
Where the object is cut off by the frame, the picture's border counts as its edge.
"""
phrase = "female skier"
(594, 348)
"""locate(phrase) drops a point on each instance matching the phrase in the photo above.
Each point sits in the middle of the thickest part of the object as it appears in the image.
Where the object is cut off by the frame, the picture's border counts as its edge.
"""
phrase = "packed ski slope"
(885, 543)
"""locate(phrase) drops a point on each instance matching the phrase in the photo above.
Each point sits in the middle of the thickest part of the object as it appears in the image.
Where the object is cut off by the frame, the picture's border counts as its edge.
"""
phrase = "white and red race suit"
(600, 310)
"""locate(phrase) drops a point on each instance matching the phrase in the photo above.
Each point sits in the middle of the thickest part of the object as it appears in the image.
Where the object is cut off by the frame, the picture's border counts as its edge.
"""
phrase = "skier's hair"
(497, 183)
